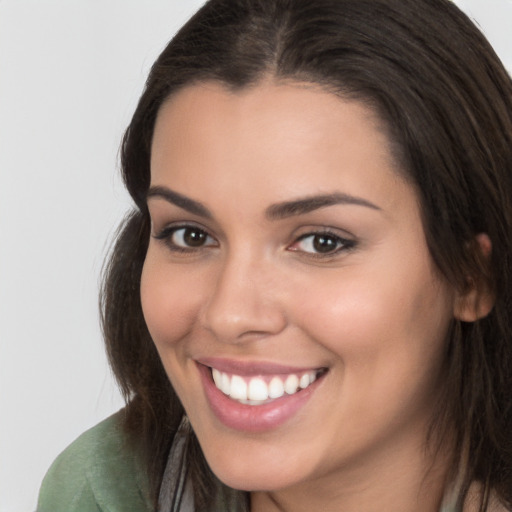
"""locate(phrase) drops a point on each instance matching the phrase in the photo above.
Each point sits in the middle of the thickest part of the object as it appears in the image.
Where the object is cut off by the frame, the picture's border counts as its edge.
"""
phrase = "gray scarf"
(176, 491)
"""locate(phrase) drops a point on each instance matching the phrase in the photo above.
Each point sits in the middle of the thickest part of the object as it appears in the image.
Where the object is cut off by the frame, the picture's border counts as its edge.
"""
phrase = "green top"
(97, 473)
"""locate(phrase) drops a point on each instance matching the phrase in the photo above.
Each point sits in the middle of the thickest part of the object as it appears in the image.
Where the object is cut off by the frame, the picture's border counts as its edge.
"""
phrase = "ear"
(477, 300)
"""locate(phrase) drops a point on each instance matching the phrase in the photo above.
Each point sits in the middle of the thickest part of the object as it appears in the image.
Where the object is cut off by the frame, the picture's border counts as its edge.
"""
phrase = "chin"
(248, 472)
(253, 480)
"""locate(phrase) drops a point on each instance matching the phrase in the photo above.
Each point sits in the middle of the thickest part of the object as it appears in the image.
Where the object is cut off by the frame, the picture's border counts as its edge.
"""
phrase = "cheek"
(388, 343)
(387, 327)
(169, 303)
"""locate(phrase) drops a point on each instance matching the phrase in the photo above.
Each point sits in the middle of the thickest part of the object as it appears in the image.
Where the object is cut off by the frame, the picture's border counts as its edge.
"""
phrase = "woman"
(309, 308)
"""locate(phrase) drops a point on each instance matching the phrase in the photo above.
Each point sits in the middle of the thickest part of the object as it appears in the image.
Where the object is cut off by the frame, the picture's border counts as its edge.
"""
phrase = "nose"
(244, 303)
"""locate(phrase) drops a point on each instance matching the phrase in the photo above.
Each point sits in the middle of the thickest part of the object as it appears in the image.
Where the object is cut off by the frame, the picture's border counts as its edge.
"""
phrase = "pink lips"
(250, 369)
(252, 418)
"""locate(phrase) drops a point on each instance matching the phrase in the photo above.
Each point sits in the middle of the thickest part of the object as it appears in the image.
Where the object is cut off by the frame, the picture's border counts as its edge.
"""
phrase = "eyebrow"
(309, 204)
(274, 212)
(185, 203)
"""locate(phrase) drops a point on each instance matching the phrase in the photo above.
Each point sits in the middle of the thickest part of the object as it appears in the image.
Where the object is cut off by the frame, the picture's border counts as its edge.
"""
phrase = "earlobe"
(477, 300)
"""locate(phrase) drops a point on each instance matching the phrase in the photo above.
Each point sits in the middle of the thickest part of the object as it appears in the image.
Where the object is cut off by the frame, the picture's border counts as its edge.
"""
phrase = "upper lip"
(253, 367)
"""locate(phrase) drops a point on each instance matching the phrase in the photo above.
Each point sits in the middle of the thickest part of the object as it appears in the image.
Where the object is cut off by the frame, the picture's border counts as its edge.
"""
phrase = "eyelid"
(345, 243)
(166, 233)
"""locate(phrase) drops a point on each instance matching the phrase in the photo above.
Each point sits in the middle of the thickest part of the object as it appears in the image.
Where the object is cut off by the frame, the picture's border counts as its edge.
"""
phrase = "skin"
(374, 312)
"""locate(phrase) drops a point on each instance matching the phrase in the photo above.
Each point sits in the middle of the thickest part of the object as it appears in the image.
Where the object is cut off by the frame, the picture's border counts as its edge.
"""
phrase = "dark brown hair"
(446, 100)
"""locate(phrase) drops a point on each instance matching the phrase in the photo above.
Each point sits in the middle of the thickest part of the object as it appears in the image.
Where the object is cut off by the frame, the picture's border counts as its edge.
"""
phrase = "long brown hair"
(446, 99)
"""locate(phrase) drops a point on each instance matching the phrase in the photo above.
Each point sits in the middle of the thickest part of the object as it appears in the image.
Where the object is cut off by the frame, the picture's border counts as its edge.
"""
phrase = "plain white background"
(71, 72)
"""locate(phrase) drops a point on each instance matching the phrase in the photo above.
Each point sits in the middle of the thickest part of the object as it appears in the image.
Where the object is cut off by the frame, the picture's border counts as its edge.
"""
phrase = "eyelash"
(167, 234)
(340, 244)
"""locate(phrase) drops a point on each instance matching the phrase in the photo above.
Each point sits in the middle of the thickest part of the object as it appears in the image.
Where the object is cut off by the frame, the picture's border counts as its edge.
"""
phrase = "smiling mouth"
(263, 389)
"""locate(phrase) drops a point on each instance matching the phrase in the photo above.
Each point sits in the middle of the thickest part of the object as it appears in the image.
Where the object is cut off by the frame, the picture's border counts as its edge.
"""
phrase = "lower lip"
(253, 418)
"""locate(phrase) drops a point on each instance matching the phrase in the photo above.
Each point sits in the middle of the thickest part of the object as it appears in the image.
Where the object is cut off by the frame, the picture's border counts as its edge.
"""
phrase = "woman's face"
(287, 257)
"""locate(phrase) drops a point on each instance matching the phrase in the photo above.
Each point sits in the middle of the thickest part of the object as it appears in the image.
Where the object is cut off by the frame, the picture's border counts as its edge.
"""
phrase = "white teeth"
(255, 391)
(258, 389)
(217, 377)
(276, 388)
(304, 381)
(291, 384)
(225, 385)
(238, 389)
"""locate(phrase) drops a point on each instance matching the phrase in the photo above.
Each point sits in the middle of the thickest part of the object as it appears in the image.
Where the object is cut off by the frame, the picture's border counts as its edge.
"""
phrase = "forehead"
(278, 139)
(293, 109)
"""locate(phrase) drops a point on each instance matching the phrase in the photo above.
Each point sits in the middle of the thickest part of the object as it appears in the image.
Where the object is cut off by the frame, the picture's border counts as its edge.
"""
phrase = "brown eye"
(322, 244)
(186, 238)
(325, 243)
(191, 237)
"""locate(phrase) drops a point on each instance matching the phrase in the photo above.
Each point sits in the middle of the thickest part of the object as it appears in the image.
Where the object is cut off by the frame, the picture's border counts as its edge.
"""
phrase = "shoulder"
(97, 472)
